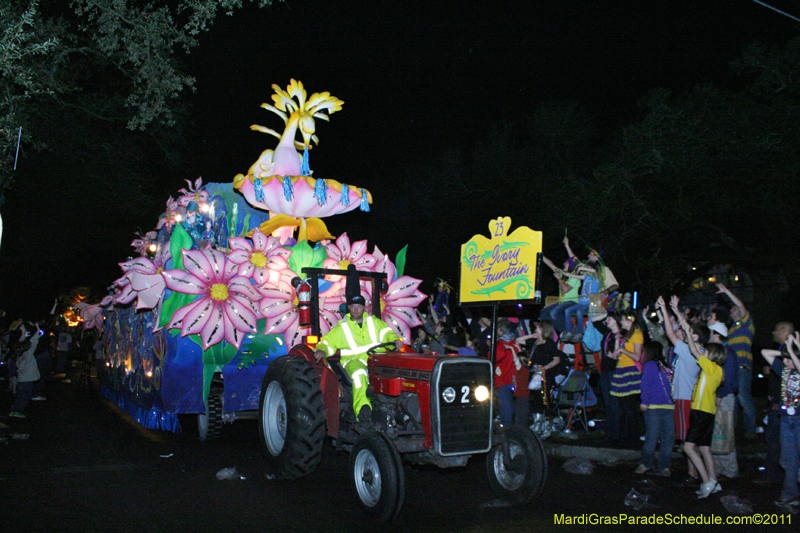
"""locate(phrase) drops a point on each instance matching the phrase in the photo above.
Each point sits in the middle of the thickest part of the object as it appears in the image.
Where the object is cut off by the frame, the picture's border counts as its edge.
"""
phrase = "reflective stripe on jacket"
(353, 340)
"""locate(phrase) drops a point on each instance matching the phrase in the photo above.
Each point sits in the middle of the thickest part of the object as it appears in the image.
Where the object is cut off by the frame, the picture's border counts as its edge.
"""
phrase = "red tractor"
(428, 409)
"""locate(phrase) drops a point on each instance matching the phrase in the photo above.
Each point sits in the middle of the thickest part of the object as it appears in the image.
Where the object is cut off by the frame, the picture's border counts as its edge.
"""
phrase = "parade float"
(212, 295)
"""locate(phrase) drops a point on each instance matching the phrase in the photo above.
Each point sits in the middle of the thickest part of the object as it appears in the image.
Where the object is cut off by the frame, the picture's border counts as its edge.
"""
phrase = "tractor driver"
(353, 336)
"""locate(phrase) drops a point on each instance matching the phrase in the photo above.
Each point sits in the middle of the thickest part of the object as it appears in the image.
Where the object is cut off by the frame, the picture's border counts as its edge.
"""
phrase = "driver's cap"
(356, 299)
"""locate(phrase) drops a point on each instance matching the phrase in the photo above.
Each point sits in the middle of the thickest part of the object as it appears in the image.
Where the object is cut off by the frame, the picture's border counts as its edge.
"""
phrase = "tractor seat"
(335, 362)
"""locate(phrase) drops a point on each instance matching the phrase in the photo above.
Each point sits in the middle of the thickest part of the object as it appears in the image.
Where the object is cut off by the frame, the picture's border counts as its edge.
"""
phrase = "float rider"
(353, 337)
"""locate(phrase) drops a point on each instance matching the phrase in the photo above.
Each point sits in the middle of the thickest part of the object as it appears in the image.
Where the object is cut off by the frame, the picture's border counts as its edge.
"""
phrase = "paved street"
(88, 467)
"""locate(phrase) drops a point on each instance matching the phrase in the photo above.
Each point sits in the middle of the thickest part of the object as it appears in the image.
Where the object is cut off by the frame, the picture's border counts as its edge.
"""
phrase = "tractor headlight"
(482, 393)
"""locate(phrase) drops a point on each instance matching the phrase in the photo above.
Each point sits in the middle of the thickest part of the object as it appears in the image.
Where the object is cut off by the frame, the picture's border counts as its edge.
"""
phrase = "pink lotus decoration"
(258, 259)
(193, 193)
(142, 244)
(399, 303)
(148, 283)
(303, 196)
(280, 180)
(123, 292)
(279, 307)
(343, 254)
(92, 315)
(168, 219)
(226, 308)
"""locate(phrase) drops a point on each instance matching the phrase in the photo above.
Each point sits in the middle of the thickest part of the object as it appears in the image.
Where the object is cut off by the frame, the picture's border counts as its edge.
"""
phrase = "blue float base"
(150, 418)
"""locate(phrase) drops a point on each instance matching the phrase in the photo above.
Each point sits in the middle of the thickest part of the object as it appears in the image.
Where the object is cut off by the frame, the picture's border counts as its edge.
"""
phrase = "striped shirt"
(740, 340)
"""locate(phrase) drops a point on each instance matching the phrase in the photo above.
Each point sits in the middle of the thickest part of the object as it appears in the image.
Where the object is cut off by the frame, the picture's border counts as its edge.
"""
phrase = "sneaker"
(16, 415)
(576, 338)
(566, 337)
(708, 488)
(641, 469)
(665, 473)
(38, 398)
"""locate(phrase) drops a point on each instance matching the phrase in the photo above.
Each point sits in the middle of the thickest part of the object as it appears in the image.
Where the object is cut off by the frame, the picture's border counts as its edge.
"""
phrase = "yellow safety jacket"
(353, 340)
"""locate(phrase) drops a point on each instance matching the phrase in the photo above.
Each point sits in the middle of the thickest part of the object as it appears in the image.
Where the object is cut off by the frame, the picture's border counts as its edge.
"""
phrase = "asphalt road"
(88, 467)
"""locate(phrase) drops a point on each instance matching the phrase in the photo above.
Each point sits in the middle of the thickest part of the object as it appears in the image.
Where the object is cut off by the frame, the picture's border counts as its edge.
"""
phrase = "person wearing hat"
(726, 464)
(352, 337)
(193, 223)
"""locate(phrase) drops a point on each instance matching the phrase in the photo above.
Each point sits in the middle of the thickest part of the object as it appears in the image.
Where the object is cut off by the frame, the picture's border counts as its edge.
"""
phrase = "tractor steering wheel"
(372, 351)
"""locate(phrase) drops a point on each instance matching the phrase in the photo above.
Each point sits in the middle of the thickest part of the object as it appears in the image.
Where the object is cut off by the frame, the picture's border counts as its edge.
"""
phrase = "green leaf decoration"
(400, 262)
(260, 347)
(180, 240)
(303, 255)
(218, 355)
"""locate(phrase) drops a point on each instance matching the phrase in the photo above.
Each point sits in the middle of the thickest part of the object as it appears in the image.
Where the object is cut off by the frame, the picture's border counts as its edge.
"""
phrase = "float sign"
(501, 268)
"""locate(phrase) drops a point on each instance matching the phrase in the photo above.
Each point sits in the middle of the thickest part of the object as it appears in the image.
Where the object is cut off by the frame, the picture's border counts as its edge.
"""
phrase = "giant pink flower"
(92, 315)
(146, 280)
(226, 307)
(343, 254)
(399, 303)
(123, 292)
(258, 259)
(279, 307)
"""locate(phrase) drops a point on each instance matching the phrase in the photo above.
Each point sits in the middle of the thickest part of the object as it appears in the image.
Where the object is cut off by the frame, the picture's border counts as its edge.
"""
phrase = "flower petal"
(181, 281)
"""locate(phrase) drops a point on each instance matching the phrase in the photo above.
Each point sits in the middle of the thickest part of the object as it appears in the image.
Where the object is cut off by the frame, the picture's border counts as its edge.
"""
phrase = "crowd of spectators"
(34, 353)
(669, 380)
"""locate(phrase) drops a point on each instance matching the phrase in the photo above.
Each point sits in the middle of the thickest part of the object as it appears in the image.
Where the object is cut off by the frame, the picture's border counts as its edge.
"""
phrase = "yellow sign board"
(502, 267)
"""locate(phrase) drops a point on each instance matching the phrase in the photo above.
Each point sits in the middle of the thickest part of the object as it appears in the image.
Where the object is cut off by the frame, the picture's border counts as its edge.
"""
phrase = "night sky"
(418, 78)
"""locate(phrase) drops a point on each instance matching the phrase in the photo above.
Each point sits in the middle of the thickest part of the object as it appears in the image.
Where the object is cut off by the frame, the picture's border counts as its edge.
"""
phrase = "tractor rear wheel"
(517, 468)
(291, 418)
(376, 476)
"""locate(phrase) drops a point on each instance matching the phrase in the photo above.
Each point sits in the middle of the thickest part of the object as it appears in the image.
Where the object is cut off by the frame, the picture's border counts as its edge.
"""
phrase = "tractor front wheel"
(376, 476)
(517, 468)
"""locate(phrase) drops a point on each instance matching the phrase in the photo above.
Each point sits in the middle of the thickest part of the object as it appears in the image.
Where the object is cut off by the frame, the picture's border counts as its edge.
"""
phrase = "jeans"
(611, 407)
(790, 455)
(772, 433)
(43, 362)
(505, 404)
(61, 361)
(659, 427)
(522, 410)
(555, 314)
(576, 310)
(23, 397)
(628, 419)
(745, 399)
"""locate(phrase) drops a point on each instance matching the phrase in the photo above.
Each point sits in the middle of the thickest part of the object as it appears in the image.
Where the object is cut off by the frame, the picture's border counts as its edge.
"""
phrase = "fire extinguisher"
(303, 301)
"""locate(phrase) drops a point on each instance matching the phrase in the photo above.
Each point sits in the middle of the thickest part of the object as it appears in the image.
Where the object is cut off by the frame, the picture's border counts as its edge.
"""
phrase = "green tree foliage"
(25, 43)
(112, 61)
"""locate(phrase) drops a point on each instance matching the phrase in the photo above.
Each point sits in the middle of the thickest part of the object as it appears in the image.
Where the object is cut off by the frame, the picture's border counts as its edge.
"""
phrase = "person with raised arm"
(697, 447)
(786, 363)
(740, 340)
